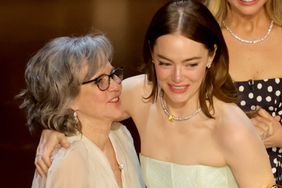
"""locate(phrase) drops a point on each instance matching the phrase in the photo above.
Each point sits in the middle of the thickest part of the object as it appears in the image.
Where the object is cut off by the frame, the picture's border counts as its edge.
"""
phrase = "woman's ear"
(73, 104)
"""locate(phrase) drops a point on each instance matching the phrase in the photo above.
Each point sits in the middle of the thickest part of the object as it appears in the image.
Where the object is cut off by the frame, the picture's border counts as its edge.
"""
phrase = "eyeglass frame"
(110, 76)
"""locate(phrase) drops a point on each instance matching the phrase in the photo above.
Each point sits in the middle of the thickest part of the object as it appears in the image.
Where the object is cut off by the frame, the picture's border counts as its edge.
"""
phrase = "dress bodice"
(161, 174)
(265, 93)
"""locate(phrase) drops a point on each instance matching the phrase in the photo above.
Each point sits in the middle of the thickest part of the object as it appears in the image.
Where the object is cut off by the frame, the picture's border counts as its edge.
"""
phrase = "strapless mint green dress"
(161, 174)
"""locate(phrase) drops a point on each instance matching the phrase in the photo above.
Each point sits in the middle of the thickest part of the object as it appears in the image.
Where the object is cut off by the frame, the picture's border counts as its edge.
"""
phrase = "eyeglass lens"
(103, 82)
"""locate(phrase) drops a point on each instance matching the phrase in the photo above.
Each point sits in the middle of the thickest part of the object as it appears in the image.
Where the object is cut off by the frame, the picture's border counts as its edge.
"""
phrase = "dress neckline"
(258, 80)
(177, 164)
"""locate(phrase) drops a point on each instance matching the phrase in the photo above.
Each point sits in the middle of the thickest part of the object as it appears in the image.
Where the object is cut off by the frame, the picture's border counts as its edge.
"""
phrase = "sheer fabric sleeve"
(69, 169)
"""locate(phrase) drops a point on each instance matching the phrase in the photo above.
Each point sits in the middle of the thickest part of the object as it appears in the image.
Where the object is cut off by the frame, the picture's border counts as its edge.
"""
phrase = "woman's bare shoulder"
(233, 124)
(136, 85)
(131, 79)
(135, 90)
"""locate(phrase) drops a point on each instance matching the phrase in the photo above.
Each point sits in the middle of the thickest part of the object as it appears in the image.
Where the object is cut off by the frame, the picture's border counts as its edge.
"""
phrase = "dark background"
(25, 26)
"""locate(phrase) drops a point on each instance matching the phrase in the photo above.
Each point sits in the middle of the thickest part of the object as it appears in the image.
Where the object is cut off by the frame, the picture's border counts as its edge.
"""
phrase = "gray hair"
(53, 79)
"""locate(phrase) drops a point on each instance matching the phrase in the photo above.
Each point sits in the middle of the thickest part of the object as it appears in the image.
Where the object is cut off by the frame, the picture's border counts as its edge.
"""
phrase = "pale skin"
(228, 139)
(259, 61)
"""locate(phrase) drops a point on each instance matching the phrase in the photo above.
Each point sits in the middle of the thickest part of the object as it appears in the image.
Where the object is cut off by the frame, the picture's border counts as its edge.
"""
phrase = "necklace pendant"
(170, 117)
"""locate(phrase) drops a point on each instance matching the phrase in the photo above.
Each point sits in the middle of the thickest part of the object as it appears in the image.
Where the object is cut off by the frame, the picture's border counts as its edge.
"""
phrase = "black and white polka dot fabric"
(267, 94)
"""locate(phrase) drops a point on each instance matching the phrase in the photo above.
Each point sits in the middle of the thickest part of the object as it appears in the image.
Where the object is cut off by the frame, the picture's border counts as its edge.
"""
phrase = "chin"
(179, 98)
(117, 115)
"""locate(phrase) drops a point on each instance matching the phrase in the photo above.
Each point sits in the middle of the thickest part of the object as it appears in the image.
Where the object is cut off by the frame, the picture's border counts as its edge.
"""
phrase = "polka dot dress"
(267, 94)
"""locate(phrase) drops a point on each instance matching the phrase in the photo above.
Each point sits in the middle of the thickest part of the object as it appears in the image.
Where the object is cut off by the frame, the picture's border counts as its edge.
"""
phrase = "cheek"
(162, 73)
(95, 100)
(94, 106)
(196, 75)
(89, 100)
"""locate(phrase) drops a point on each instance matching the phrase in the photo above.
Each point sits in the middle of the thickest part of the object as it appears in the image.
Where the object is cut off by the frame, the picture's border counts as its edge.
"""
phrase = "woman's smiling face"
(246, 7)
(180, 65)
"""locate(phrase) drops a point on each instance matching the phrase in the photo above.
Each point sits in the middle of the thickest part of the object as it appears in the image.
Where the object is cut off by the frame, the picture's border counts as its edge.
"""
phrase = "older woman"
(73, 88)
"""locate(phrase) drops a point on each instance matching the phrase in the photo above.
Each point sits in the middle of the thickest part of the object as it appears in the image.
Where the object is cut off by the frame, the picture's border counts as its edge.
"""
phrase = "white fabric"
(83, 164)
(161, 174)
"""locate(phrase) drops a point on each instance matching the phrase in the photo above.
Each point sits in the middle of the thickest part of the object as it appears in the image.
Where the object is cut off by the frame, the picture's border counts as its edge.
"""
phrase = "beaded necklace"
(249, 41)
(172, 117)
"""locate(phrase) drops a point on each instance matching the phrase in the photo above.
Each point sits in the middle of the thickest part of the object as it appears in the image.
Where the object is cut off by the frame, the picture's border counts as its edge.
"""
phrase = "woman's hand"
(269, 128)
(48, 141)
(275, 139)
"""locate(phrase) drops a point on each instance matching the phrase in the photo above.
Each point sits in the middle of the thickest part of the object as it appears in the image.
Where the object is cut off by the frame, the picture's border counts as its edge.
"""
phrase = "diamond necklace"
(250, 41)
(172, 117)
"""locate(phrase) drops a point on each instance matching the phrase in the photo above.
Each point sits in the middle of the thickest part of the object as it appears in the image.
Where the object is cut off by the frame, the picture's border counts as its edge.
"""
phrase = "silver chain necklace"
(249, 41)
(172, 117)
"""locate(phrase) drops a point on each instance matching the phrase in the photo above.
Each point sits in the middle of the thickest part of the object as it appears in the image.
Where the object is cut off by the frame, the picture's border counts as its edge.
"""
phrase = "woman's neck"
(183, 108)
(247, 23)
(97, 131)
(248, 29)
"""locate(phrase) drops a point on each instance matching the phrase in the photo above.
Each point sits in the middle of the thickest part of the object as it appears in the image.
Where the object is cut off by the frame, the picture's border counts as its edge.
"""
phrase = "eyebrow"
(185, 60)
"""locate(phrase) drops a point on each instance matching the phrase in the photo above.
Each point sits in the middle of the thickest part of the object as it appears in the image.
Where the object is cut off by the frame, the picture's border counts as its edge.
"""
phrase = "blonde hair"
(219, 9)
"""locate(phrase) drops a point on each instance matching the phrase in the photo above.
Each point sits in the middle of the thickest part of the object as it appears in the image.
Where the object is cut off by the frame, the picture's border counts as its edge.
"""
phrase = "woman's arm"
(270, 127)
(133, 90)
(244, 152)
(130, 89)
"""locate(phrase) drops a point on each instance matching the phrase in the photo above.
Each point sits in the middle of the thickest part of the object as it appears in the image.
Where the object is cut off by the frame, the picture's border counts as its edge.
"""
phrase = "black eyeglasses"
(103, 81)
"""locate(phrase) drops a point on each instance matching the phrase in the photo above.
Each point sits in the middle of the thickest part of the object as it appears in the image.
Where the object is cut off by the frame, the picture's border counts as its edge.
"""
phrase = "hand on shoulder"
(48, 141)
